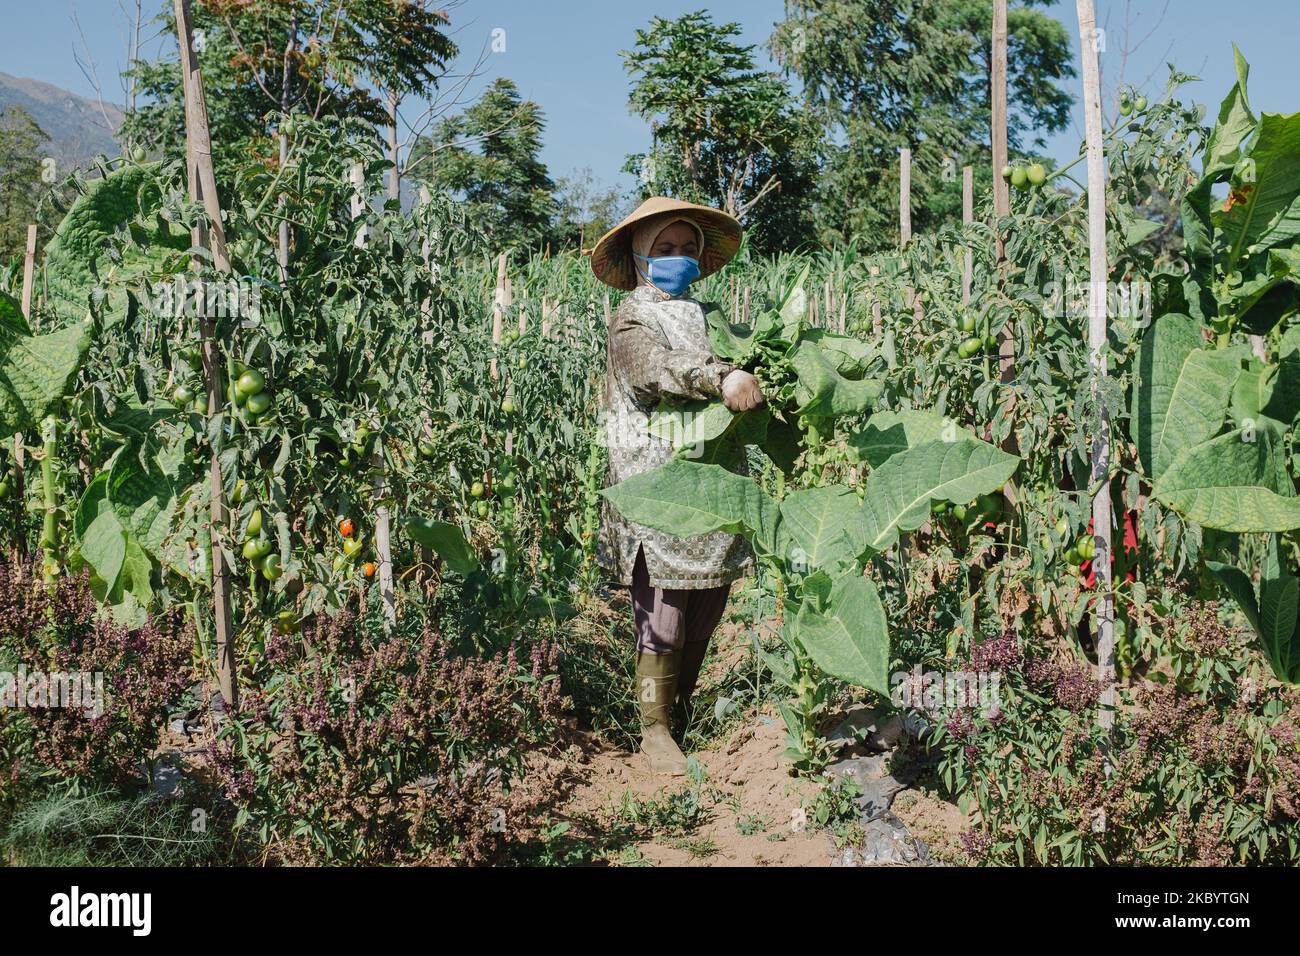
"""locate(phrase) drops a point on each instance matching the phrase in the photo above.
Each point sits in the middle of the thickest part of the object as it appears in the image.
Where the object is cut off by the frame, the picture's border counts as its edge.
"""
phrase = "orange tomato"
(345, 527)
(368, 569)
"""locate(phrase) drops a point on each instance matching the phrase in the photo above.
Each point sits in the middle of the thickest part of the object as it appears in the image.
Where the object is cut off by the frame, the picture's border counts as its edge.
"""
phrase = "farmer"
(659, 351)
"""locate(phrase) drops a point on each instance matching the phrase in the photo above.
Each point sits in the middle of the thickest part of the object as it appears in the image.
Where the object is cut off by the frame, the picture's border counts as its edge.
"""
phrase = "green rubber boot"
(656, 689)
(692, 660)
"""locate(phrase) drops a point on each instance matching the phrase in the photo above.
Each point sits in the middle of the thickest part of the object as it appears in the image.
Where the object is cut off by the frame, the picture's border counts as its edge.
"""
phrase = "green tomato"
(482, 509)
(240, 494)
(967, 322)
(939, 506)
(1062, 526)
(970, 347)
(339, 562)
(990, 343)
(363, 433)
(1086, 547)
(271, 568)
(476, 490)
(1140, 103)
(427, 449)
(199, 405)
(236, 397)
(250, 383)
(256, 548)
(254, 525)
(959, 512)
(1036, 174)
(1007, 171)
(1125, 106)
(990, 506)
(1072, 556)
(351, 547)
(1019, 177)
(259, 403)
(506, 486)
(183, 395)
(137, 154)
(508, 407)
(5, 488)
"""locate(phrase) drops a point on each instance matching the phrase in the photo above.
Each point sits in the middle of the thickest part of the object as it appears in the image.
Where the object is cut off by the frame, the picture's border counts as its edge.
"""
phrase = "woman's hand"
(740, 391)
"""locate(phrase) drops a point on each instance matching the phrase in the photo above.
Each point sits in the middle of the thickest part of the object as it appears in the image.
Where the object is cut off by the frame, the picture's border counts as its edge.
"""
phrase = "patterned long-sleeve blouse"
(659, 351)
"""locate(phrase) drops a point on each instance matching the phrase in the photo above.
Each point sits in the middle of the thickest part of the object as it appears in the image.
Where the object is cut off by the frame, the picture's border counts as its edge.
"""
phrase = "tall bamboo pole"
(1098, 269)
(998, 96)
(29, 271)
(904, 197)
(967, 217)
(203, 188)
(383, 518)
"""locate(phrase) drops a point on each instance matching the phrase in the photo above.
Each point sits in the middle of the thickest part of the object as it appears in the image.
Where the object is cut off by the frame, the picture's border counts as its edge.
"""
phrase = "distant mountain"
(77, 127)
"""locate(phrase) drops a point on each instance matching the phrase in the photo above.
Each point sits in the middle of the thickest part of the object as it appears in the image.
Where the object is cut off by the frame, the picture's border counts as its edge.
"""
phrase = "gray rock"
(889, 843)
(862, 770)
(167, 781)
(877, 797)
(855, 727)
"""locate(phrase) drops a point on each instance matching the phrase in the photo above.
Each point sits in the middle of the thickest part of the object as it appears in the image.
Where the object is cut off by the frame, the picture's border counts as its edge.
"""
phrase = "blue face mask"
(671, 274)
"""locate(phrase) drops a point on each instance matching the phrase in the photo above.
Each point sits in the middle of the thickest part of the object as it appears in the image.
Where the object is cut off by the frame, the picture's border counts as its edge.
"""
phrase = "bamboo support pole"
(1098, 268)
(203, 188)
(967, 217)
(383, 517)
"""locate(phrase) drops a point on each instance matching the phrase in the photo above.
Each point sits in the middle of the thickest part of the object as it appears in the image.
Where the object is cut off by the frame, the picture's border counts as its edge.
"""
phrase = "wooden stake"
(203, 188)
(1098, 269)
(998, 95)
(877, 320)
(379, 488)
(498, 315)
(29, 267)
(967, 217)
(904, 197)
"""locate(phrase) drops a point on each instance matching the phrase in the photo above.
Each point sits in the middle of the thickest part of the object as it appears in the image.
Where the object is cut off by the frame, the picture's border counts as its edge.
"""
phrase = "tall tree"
(333, 60)
(585, 209)
(20, 179)
(724, 132)
(489, 157)
(881, 75)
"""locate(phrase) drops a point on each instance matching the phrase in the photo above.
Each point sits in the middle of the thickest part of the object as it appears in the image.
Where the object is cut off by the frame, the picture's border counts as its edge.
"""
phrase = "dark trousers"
(667, 619)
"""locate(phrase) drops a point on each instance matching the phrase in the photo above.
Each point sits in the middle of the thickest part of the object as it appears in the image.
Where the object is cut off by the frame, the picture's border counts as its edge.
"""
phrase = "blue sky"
(564, 55)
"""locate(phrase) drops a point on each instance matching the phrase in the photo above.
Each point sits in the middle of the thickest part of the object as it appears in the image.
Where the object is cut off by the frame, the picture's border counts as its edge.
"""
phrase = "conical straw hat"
(611, 259)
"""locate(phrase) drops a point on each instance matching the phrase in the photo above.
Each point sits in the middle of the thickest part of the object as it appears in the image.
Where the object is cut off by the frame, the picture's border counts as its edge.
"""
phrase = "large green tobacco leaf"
(690, 424)
(1182, 393)
(1269, 215)
(1268, 395)
(825, 525)
(686, 498)
(851, 356)
(144, 499)
(898, 494)
(1232, 484)
(708, 428)
(12, 320)
(888, 433)
(36, 372)
(849, 639)
(735, 343)
(1279, 604)
(822, 390)
(446, 540)
(1237, 583)
(78, 258)
(1235, 123)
